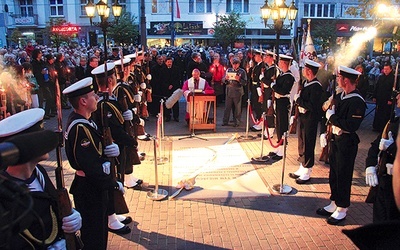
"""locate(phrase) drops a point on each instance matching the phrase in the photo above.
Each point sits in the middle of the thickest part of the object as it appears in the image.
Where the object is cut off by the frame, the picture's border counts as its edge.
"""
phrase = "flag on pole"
(178, 12)
(303, 44)
(309, 49)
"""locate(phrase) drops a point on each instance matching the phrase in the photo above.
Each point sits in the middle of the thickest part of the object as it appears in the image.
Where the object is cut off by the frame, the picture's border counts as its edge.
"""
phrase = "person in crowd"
(217, 70)
(255, 88)
(192, 84)
(50, 79)
(170, 83)
(235, 80)
(90, 158)
(81, 68)
(379, 171)
(34, 86)
(63, 77)
(346, 117)
(383, 98)
(93, 63)
(282, 87)
(40, 71)
(363, 83)
(41, 227)
(309, 104)
(107, 80)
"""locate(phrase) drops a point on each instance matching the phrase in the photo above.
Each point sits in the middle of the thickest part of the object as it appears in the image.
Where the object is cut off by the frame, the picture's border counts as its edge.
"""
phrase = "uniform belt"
(80, 173)
(255, 83)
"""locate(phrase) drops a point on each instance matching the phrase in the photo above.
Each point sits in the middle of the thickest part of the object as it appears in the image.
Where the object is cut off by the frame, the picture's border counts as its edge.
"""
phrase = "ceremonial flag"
(309, 49)
(178, 12)
(303, 44)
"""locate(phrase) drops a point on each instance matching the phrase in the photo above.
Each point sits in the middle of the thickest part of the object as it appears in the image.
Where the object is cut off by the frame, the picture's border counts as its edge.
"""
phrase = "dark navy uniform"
(255, 83)
(310, 100)
(92, 181)
(349, 113)
(42, 223)
(282, 88)
(269, 77)
(384, 208)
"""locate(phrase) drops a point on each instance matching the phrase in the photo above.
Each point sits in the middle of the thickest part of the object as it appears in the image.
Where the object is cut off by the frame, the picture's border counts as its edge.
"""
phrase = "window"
(26, 7)
(160, 6)
(56, 8)
(239, 6)
(319, 10)
(200, 6)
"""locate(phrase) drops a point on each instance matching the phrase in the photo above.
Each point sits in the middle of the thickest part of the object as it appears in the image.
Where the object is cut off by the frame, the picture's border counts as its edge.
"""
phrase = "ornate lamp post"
(278, 12)
(104, 12)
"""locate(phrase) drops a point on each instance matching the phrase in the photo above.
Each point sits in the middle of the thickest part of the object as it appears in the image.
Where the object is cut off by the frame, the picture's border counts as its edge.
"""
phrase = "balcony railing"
(25, 20)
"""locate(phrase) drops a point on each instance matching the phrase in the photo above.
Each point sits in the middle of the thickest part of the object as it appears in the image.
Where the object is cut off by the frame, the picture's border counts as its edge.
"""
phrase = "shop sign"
(181, 28)
(66, 29)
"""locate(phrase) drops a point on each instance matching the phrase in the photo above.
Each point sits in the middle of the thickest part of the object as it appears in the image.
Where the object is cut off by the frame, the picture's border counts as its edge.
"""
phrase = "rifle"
(3, 104)
(324, 156)
(394, 94)
(295, 112)
(64, 203)
(119, 200)
(129, 128)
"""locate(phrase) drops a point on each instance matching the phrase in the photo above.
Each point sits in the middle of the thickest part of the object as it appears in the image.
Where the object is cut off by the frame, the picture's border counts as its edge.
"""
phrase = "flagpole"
(172, 25)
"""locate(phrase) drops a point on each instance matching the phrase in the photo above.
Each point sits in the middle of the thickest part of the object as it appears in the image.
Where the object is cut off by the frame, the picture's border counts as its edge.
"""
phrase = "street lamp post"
(104, 12)
(278, 12)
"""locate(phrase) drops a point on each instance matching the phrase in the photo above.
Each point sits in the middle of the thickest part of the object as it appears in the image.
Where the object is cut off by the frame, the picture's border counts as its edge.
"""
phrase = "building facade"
(192, 20)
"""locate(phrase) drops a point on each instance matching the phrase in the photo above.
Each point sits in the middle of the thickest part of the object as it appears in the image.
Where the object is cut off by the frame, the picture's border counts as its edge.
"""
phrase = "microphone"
(25, 147)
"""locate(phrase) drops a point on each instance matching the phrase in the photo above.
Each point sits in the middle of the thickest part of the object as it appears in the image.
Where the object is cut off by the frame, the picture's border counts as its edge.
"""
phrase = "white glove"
(134, 110)
(261, 76)
(128, 115)
(322, 140)
(371, 179)
(72, 223)
(272, 84)
(330, 112)
(259, 92)
(336, 130)
(121, 187)
(269, 103)
(296, 96)
(137, 98)
(291, 121)
(111, 150)
(148, 77)
(384, 144)
(58, 245)
(277, 95)
(302, 110)
(143, 85)
(389, 168)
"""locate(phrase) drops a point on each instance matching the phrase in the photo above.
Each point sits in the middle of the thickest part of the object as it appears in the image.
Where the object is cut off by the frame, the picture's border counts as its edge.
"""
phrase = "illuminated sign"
(66, 29)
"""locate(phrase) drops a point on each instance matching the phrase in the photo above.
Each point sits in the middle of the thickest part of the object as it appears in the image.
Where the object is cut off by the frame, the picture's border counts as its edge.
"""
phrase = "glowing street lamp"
(278, 12)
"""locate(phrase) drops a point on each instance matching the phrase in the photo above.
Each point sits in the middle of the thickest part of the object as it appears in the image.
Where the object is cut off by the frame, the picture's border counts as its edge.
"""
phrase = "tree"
(55, 37)
(228, 29)
(324, 34)
(15, 36)
(124, 32)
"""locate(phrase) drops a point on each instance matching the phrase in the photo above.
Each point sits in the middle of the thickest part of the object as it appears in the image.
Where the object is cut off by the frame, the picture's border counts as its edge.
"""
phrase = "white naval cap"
(285, 57)
(130, 56)
(348, 72)
(311, 64)
(124, 61)
(99, 71)
(270, 53)
(30, 120)
(257, 52)
(79, 88)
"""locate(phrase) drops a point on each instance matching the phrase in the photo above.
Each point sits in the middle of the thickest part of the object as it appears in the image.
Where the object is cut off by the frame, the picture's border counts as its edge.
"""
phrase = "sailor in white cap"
(107, 81)
(267, 78)
(40, 226)
(87, 155)
(255, 88)
(282, 87)
(309, 103)
(128, 100)
(345, 117)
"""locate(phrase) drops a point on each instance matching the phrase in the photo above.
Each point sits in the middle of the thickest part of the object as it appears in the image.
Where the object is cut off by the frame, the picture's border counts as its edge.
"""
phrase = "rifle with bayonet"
(119, 200)
(64, 203)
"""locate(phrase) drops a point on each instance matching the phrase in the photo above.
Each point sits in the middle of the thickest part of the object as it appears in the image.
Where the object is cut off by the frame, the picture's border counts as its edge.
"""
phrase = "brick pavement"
(272, 222)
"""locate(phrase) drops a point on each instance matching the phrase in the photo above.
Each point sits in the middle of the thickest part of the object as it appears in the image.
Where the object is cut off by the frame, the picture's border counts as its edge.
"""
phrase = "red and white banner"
(178, 12)
(309, 49)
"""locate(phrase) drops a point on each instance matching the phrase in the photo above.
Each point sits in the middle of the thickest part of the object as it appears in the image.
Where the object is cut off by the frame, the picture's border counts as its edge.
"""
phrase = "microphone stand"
(192, 117)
